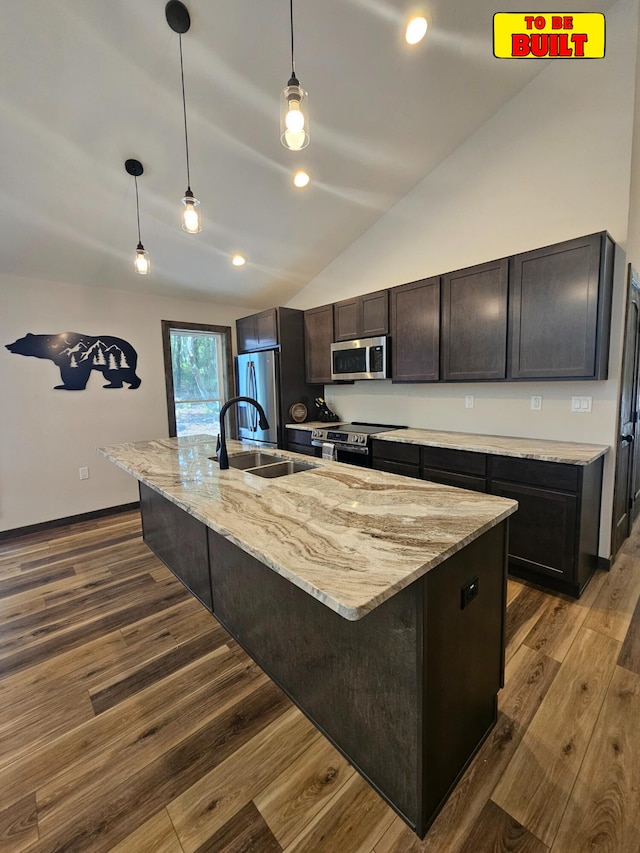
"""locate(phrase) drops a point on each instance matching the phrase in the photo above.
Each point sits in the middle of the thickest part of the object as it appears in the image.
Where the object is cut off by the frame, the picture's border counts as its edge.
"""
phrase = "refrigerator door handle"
(254, 394)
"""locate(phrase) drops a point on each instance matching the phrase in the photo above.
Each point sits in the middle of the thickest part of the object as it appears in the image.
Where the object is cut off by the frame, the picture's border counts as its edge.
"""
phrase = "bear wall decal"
(77, 355)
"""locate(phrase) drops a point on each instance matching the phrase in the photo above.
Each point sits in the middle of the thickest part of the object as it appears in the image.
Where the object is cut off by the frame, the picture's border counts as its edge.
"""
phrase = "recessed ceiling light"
(238, 260)
(301, 179)
(416, 30)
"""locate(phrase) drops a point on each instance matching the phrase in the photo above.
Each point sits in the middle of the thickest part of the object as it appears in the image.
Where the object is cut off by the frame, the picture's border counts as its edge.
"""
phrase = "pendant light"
(179, 20)
(294, 118)
(141, 261)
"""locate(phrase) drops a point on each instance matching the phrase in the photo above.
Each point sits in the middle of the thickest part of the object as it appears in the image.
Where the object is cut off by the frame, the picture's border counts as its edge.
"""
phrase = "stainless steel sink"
(281, 469)
(250, 459)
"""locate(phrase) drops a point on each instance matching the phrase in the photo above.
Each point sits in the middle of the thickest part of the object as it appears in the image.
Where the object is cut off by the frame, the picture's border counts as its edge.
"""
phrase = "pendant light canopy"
(141, 261)
(294, 117)
(179, 20)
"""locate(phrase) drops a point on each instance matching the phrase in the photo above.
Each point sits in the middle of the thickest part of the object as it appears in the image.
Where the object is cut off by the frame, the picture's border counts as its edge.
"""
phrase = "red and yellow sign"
(549, 35)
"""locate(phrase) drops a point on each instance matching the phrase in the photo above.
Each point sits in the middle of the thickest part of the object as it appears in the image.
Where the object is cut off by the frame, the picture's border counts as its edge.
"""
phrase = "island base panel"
(179, 540)
(408, 692)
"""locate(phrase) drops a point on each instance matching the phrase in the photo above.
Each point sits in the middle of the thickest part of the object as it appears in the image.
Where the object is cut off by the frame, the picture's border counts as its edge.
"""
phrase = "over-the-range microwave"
(366, 358)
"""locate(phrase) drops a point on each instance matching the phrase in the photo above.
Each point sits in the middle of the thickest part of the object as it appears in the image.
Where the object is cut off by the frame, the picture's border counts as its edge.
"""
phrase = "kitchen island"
(376, 602)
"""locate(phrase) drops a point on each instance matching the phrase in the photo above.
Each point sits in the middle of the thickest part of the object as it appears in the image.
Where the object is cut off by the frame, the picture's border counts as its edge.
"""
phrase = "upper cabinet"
(361, 317)
(318, 337)
(415, 331)
(258, 331)
(560, 299)
(474, 322)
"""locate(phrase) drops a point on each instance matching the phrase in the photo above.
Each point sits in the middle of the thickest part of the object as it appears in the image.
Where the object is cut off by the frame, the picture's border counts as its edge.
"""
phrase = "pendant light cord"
(184, 111)
(135, 178)
(293, 67)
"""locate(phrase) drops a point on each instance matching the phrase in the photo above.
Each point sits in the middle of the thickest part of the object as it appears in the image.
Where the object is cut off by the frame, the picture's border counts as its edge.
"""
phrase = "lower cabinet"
(553, 537)
(179, 540)
(299, 441)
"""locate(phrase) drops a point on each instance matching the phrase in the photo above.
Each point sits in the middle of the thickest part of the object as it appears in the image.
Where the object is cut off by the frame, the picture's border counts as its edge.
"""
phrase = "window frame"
(229, 377)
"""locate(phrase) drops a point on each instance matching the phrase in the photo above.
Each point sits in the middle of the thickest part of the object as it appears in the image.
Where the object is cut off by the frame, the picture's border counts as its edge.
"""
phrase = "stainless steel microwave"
(366, 358)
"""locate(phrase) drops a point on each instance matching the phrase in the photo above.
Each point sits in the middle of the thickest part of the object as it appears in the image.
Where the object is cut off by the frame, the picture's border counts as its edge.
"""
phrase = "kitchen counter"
(311, 425)
(567, 452)
(358, 592)
(349, 537)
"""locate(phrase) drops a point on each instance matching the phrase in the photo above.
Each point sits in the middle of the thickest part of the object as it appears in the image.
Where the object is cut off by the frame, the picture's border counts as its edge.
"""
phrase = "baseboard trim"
(605, 563)
(17, 532)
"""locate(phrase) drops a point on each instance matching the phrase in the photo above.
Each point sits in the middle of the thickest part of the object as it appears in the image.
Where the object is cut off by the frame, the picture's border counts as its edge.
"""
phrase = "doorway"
(198, 371)
(626, 496)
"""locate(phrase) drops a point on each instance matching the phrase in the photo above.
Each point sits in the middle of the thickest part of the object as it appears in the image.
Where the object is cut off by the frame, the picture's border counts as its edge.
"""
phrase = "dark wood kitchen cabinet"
(258, 331)
(318, 337)
(415, 331)
(179, 540)
(299, 441)
(361, 317)
(553, 537)
(560, 310)
(474, 322)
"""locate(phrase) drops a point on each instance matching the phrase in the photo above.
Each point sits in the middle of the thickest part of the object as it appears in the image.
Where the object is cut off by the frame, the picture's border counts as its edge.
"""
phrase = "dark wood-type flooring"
(131, 721)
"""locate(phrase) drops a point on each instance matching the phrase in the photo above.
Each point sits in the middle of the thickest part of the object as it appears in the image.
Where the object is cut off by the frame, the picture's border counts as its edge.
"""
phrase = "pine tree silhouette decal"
(73, 362)
(123, 360)
(99, 357)
(113, 364)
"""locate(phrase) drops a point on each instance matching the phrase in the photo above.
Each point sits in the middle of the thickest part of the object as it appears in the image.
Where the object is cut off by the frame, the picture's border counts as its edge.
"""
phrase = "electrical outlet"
(581, 404)
(84, 473)
(536, 404)
(468, 401)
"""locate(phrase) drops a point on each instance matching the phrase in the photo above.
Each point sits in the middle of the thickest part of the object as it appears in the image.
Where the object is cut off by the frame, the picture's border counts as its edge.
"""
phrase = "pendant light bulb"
(190, 216)
(294, 118)
(142, 263)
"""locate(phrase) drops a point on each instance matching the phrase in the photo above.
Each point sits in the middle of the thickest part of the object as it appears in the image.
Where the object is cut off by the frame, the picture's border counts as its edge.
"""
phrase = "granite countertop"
(350, 537)
(568, 452)
(310, 425)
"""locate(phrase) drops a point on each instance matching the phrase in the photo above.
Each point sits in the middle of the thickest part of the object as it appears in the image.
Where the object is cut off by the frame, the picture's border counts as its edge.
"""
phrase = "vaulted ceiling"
(88, 83)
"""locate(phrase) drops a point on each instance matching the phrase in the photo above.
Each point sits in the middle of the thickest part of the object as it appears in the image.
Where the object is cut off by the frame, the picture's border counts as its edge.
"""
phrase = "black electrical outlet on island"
(468, 593)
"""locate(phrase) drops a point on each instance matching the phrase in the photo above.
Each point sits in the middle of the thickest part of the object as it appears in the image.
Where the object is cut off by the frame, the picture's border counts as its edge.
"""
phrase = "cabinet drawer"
(304, 448)
(461, 481)
(550, 475)
(299, 436)
(463, 461)
(396, 451)
(404, 468)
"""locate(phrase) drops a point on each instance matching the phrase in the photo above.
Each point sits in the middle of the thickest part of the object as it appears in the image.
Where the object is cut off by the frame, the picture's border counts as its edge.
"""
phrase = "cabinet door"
(554, 311)
(267, 329)
(415, 330)
(460, 481)
(246, 334)
(346, 316)
(318, 337)
(474, 322)
(374, 314)
(542, 533)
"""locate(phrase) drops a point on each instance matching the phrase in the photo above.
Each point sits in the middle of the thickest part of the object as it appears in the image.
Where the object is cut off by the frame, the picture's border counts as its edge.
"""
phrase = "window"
(198, 373)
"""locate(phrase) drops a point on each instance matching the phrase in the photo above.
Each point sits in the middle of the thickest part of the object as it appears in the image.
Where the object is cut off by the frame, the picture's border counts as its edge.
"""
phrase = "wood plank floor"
(131, 721)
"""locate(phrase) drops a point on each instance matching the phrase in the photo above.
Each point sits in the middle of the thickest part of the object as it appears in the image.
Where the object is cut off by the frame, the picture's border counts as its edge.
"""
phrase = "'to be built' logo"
(549, 35)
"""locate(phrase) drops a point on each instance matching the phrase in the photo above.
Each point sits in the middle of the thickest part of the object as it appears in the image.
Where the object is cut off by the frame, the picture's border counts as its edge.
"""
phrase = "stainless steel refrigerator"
(258, 377)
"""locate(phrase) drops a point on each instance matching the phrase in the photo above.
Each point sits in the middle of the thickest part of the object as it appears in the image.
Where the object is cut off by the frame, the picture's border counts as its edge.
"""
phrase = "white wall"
(48, 435)
(552, 164)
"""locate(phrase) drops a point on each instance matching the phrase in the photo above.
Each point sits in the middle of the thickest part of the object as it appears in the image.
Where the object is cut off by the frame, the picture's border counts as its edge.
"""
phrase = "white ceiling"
(89, 83)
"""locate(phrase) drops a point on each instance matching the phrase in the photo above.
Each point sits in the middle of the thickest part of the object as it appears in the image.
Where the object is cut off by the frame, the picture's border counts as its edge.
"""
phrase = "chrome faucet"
(221, 446)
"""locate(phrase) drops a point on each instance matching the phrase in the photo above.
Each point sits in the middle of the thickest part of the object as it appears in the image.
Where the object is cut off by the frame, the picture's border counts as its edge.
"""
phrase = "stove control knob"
(316, 433)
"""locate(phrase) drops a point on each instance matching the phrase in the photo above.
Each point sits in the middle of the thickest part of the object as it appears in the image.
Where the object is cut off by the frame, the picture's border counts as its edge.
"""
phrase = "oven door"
(351, 454)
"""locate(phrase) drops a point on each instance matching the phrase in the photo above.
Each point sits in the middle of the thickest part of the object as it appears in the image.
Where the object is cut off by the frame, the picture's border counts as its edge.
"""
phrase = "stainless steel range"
(352, 442)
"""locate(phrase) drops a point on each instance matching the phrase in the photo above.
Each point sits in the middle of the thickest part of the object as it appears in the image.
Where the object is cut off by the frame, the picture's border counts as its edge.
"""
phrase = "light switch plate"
(468, 401)
(536, 404)
(581, 404)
